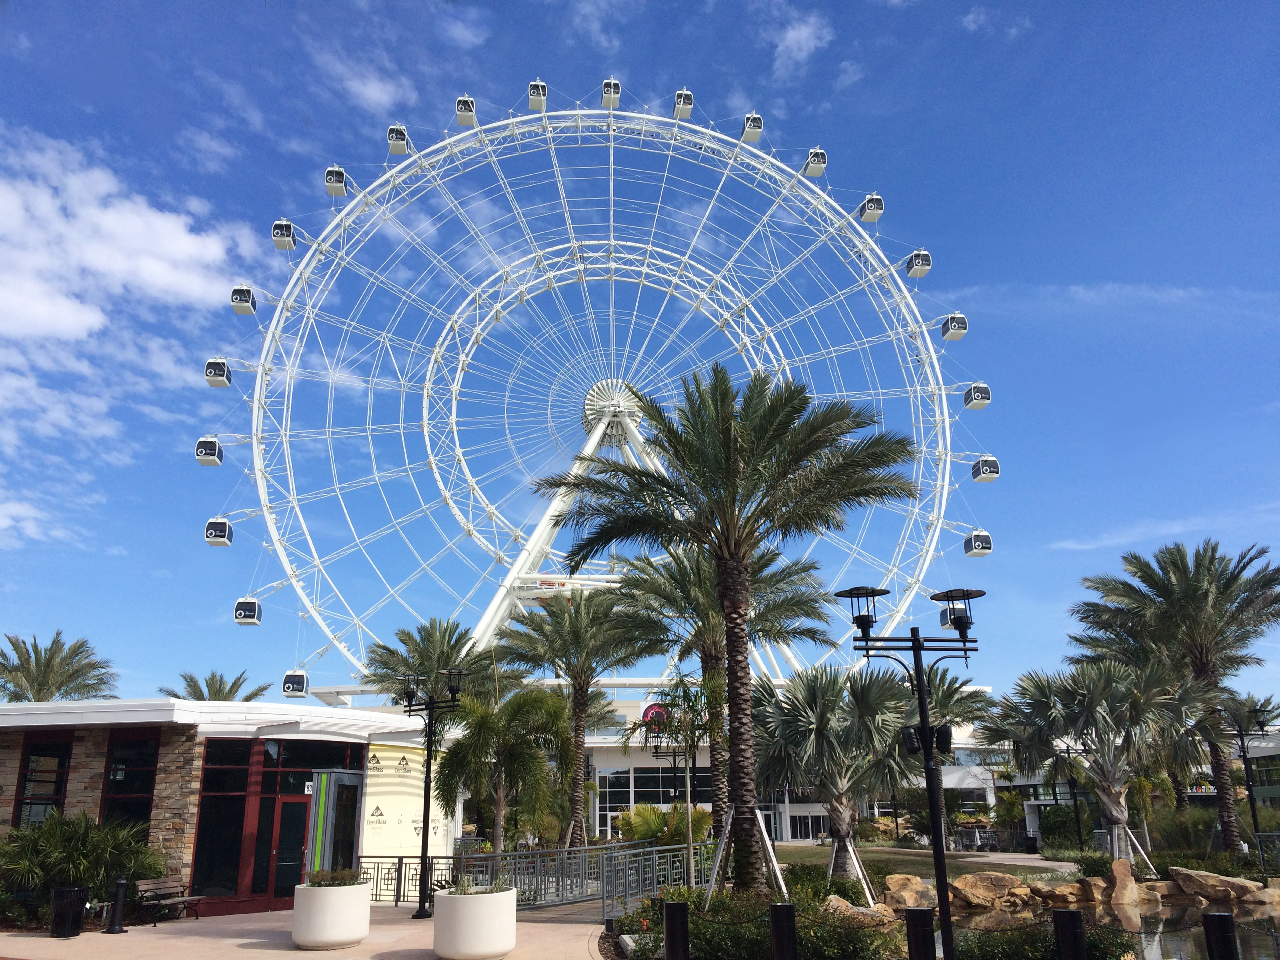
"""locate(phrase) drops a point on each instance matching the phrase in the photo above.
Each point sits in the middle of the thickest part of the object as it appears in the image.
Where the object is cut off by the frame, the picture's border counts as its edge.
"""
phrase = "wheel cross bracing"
(444, 338)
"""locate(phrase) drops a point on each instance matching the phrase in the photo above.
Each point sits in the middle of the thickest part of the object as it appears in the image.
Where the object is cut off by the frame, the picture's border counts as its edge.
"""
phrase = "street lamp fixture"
(958, 614)
(1243, 734)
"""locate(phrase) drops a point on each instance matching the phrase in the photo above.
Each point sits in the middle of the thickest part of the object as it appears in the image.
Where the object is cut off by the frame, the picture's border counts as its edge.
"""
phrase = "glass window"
(615, 790)
(43, 784)
(130, 779)
(227, 753)
(222, 780)
(310, 754)
(216, 872)
(1267, 771)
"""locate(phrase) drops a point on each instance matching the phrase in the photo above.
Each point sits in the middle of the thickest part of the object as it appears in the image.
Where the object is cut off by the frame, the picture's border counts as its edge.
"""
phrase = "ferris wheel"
(475, 315)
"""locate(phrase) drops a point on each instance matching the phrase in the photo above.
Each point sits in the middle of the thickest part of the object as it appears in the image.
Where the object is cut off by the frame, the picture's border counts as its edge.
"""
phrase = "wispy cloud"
(464, 27)
(850, 73)
(1111, 301)
(797, 38)
(1018, 28)
(205, 151)
(19, 521)
(1147, 530)
(596, 20)
(978, 18)
(370, 83)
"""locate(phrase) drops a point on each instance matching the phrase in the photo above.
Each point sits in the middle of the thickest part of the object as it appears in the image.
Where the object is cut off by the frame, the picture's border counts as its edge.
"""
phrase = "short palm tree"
(216, 687)
(678, 594)
(741, 470)
(57, 672)
(577, 639)
(1201, 613)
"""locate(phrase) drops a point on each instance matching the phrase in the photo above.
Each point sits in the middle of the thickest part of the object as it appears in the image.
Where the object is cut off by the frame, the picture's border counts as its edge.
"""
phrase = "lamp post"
(958, 615)
(1243, 734)
(1072, 783)
(429, 707)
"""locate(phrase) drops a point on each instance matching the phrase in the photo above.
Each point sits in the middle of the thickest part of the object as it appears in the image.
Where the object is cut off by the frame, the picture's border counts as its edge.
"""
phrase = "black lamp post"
(862, 609)
(1243, 734)
(429, 707)
(1072, 783)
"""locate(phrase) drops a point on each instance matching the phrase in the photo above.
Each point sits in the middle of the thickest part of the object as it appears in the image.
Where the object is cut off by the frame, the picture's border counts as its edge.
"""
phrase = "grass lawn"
(893, 860)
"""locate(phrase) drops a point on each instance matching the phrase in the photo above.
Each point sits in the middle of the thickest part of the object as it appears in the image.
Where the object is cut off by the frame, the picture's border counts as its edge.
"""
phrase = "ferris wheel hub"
(614, 400)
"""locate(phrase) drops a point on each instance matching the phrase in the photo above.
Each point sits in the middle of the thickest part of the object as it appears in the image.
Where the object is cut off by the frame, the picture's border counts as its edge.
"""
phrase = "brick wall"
(10, 764)
(86, 771)
(176, 800)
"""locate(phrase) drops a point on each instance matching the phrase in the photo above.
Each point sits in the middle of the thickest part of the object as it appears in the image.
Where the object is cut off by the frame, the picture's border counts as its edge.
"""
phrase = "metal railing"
(628, 876)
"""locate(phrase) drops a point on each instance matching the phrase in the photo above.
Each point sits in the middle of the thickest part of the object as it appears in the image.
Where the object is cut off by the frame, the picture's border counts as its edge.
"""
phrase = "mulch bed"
(610, 947)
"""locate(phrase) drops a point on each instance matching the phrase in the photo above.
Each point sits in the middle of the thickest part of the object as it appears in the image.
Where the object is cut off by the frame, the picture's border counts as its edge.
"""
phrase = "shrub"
(645, 821)
(908, 842)
(1058, 825)
(1091, 862)
(1223, 864)
(1036, 942)
(867, 831)
(333, 878)
(811, 879)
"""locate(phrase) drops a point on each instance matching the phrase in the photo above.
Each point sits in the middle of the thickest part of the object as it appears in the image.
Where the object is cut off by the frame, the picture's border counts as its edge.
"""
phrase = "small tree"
(34, 674)
(216, 687)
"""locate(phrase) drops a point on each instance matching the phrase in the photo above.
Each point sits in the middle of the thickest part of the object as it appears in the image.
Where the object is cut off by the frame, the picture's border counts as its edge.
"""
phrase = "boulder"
(1273, 883)
(1060, 894)
(1094, 889)
(985, 889)
(1163, 888)
(902, 890)
(1124, 890)
(1267, 895)
(877, 914)
(1148, 896)
(1211, 886)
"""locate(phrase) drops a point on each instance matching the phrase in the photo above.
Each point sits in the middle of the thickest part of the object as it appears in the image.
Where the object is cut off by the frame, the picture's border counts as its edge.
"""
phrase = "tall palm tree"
(678, 594)
(502, 749)
(578, 640)
(741, 470)
(56, 672)
(215, 687)
(1203, 612)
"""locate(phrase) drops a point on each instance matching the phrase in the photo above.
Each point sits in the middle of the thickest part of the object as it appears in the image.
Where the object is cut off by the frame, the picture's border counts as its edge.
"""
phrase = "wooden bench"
(166, 894)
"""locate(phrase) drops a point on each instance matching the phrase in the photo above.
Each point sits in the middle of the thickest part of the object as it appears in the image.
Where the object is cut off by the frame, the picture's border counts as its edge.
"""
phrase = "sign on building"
(392, 825)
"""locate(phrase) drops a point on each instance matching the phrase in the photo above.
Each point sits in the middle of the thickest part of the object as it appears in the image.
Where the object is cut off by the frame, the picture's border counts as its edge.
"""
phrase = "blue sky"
(1096, 184)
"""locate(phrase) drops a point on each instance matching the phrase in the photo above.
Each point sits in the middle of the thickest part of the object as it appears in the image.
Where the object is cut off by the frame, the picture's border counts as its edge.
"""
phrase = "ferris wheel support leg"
(641, 448)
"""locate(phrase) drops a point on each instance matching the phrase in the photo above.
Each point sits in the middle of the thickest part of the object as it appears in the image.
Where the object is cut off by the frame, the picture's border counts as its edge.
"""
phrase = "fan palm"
(215, 687)
(678, 594)
(56, 672)
(578, 640)
(1202, 613)
(741, 470)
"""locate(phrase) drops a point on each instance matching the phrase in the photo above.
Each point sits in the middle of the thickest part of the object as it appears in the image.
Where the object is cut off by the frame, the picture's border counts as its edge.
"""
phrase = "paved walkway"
(392, 936)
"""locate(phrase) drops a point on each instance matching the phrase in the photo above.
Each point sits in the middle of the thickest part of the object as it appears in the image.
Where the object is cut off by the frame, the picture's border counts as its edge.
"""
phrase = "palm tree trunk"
(1226, 799)
(499, 804)
(733, 587)
(713, 690)
(578, 789)
(1180, 802)
(840, 826)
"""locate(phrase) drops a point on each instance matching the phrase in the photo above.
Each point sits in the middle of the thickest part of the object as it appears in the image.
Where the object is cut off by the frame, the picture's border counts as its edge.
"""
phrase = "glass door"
(290, 846)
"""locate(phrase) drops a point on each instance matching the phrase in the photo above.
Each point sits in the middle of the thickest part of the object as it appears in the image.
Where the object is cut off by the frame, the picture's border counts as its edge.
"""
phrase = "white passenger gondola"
(295, 683)
(283, 236)
(870, 209)
(218, 532)
(466, 107)
(948, 614)
(955, 327)
(816, 164)
(335, 181)
(985, 469)
(752, 127)
(397, 138)
(918, 263)
(217, 372)
(538, 96)
(248, 612)
(243, 301)
(977, 396)
(209, 452)
(611, 94)
(684, 105)
(977, 544)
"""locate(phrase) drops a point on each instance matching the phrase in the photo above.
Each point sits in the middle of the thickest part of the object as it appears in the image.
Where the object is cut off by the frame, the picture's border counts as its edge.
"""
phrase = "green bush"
(333, 878)
(867, 832)
(908, 842)
(811, 879)
(1223, 864)
(1058, 826)
(1091, 862)
(1036, 942)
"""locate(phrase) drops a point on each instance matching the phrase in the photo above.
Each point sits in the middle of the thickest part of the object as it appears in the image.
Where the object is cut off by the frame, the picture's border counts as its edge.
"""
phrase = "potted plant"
(475, 922)
(330, 910)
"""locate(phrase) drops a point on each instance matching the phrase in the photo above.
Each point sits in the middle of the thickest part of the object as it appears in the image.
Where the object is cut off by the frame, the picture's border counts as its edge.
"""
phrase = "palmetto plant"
(216, 687)
(578, 640)
(742, 470)
(56, 672)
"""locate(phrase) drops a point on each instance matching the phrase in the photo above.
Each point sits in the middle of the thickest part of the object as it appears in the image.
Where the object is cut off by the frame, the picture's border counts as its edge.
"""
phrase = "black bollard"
(1220, 936)
(675, 930)
(782, 930)
(920, 942)
(1068, 934)
(117, 908)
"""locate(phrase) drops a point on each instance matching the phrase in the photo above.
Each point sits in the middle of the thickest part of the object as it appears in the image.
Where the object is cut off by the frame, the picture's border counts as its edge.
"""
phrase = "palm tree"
(1203, 613)
(56, 672)
(576, 638)
(741, 470)
(502, 749)
(215, 687)
(678, 594)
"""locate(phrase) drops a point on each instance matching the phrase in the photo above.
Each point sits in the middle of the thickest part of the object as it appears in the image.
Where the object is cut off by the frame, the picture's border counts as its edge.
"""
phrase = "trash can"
(68, 911)
(1032, 845)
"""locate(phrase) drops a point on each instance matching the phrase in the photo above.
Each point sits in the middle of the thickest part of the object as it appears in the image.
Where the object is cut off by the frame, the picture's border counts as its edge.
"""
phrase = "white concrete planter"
(475, 926)
(328, 918)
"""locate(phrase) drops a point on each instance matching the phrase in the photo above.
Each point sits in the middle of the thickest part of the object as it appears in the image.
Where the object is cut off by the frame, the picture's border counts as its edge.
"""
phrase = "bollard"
(1220, 936)
(1068, 934)
(117, 908)
(782, 930)
(920, 942)
(675, 930)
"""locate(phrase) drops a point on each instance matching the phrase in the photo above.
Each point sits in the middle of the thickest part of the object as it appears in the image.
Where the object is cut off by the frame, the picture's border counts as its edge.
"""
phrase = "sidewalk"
(392, 936)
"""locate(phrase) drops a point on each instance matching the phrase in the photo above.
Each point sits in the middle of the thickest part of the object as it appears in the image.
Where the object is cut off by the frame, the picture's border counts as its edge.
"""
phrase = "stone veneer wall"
(176, 800)
(10, 764)
(86, 772)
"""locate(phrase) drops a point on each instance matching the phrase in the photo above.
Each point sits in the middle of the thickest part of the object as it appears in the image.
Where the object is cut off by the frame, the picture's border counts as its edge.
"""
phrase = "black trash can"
(1032, 845)
(68, 911)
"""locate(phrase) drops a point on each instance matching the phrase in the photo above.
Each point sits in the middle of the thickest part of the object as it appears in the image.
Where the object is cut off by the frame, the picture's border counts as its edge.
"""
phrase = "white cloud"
(1143, 531)
(241, 104)
(465, 29)
(19, 521)
(850, 73)
(205, 151)
(374, 88)
(976, 19)
(797, 41)
(1018, 28)
(593, 18)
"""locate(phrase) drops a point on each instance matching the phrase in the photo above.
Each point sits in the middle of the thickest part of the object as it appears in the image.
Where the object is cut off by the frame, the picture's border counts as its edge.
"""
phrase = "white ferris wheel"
(471, 318)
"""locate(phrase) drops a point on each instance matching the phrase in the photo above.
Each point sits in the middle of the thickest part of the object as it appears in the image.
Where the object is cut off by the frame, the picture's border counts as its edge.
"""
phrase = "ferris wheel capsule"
(752, 127)
(978, 543)
(397, 138)
(816, 164)
(918, 263)
(977, 396)
(538, 96)
(954, 327)
(295, 684)
(283, 236)
(243, 300)
(335, 181)
(985, 469)
(209, 452)
(611, 94)
(218, 532)
(870, 209)
(684, 105)
(948, 615)
(217, 372)
(248, 612)
(466, 107)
